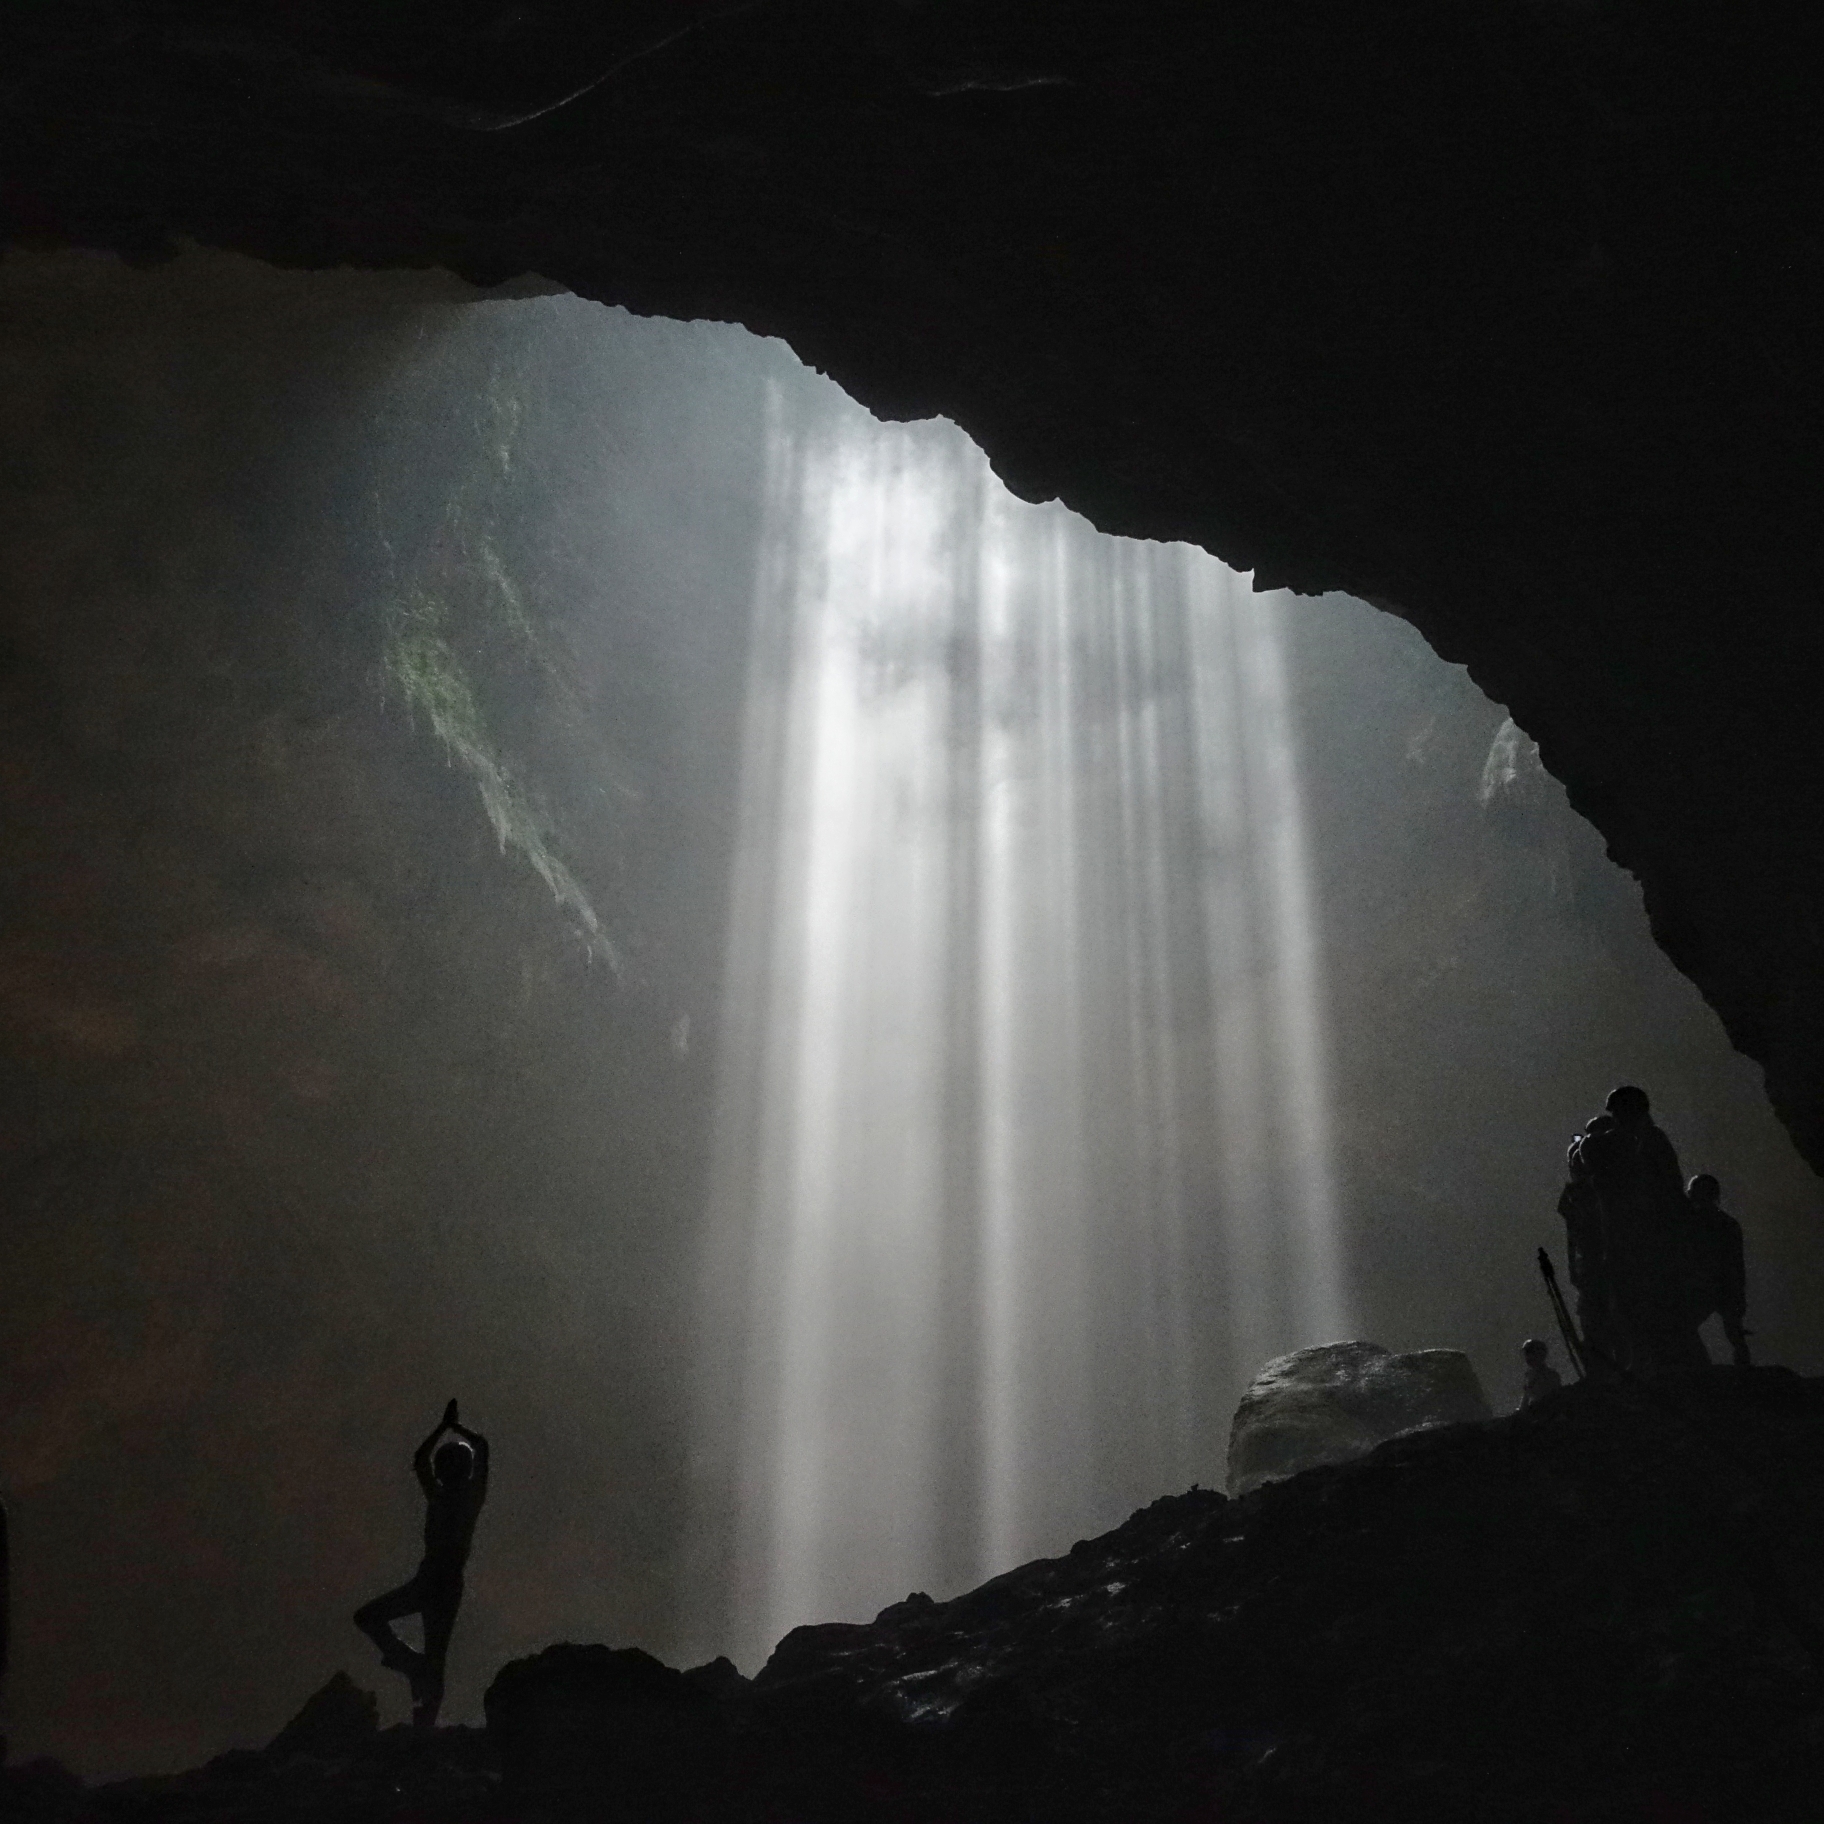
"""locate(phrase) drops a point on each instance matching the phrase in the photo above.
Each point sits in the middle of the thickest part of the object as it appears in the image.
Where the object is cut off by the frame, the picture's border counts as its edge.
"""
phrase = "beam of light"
(1271, 1105)
(1023, 1160)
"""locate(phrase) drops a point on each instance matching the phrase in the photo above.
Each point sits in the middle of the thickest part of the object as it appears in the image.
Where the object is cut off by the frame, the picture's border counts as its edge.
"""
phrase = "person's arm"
(421, 1457)
(477, 1443)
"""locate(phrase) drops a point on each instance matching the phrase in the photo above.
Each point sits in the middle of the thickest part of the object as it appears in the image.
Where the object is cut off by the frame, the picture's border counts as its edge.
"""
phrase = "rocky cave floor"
(1607, 1608)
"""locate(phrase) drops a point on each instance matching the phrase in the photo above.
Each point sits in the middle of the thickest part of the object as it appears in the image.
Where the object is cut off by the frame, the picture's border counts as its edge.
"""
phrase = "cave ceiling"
(1501, 315)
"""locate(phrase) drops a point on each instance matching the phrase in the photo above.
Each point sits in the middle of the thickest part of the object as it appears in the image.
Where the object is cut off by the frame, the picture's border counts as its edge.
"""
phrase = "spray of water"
(1022, 1151)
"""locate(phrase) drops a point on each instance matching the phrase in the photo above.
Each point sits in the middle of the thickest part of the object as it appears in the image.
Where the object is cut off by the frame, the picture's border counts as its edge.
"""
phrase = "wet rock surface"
(1604, 1608)
(1338, 1401)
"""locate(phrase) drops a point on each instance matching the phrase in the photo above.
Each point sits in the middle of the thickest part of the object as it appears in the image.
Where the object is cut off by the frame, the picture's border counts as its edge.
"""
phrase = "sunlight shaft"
(1023, 1158)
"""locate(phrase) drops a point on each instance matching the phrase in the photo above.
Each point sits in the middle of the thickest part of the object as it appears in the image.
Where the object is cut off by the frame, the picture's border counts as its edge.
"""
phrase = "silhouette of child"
(454, 1477)
(1541, 1377)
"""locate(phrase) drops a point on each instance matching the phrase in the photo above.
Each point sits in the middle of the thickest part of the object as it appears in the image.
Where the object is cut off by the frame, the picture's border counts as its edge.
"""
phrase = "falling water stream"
(1022, 1160)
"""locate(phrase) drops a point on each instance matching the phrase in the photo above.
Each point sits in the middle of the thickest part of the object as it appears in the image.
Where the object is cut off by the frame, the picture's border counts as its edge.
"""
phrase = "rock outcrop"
(1603, 1608)
(1338, 1401)
(340, 1719)
(647, 1741)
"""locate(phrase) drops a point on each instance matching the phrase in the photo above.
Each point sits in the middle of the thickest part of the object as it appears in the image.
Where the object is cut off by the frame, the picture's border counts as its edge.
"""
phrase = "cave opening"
(529, 819)
(1023, 1159)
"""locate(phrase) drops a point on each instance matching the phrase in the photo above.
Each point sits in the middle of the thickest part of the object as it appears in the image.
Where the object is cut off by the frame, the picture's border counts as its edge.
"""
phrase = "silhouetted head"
(1581, 1164)
(1704, 1191)
(453, 1464)
(1535, 1351)
(1627, 1104)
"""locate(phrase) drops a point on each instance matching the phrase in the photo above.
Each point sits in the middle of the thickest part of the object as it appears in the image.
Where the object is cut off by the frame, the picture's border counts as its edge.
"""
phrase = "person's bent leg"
(375, 1620)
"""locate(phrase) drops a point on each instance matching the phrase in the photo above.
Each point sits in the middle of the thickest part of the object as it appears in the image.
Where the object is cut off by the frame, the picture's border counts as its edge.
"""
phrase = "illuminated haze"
(1023, 1141)
(843, 1013)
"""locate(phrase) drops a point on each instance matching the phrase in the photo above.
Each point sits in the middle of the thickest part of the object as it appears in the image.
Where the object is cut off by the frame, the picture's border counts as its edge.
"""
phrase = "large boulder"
(1338, 1401)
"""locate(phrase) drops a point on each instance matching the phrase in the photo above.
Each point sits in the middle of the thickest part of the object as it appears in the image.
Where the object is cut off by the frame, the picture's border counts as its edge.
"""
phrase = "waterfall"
(1022, 1162)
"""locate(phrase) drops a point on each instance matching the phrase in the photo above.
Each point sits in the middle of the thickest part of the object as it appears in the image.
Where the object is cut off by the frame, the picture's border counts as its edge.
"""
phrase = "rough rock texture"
(339, 1719)
(1338, 1401)
(1605, 1608)
(1497, 313)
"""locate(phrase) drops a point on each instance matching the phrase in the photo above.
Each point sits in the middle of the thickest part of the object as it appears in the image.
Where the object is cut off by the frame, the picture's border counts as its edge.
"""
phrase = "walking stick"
(1573, 1344)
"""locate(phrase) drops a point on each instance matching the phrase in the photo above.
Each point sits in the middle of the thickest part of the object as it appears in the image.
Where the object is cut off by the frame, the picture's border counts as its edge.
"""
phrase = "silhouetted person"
(1632, 1240)
(1725, 1272)
(1652, 1160)
(1541, 1377)
(1587, 1243)
(454, 1476)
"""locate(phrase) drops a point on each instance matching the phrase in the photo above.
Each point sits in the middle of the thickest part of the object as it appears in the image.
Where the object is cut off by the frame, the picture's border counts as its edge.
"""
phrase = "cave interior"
(385, 398)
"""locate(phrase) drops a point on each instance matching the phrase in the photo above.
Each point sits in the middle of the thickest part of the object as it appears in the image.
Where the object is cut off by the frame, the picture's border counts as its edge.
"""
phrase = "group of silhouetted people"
(1652, 1257)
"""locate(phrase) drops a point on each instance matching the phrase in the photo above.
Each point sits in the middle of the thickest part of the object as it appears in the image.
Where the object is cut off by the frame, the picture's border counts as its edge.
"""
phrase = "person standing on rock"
(1725, 1275)
(1661, 1245)
(1587, 1246)
(1626, 1213)
(452, 1468)
(1652, 1161)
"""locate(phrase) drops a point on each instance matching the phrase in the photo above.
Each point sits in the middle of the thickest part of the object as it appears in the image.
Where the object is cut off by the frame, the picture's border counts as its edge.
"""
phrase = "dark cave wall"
(316, 1106)
(1488, 976)
(1498, 314)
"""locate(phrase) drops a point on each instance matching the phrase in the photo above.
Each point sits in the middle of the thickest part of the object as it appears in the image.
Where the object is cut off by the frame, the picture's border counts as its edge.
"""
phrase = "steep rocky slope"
(1606, 1608)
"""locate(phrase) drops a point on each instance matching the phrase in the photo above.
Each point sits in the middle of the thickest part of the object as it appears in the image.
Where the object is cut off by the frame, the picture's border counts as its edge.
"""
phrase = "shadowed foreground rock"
(334, 1775)
(1604, 1608)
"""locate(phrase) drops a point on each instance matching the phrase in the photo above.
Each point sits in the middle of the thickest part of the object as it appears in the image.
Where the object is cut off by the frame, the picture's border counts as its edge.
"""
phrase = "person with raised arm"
(452, 1468)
